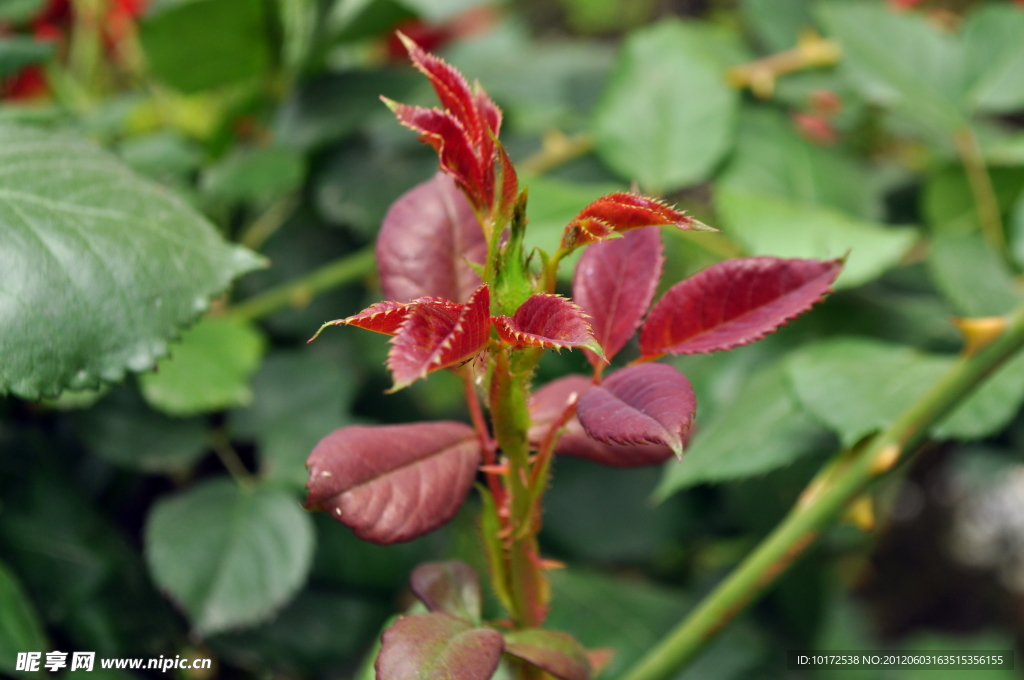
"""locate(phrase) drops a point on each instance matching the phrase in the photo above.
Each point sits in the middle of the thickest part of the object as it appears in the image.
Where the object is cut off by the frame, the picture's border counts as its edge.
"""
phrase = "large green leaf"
(858, 386)
(300, 399)
(766, 225)
(994, 55)
(198, 44)
(20, 630)
(98, 268)
(772, 159)
(208, 370)
(972, 276)
(229, 556)
(900, 60)
(777, 23)
(667, 115)
(764, 428)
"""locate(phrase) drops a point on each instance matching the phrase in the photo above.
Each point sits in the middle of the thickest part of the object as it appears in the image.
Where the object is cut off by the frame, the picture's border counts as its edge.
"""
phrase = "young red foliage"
(614, 283)
(734, 303)
(556, 653)
(387, 317)
(433, 337)
(547, 321)
(438, 647)
(426, 242)
(619, 212)
(548, 403)
(450, 587)
(649, 403)
(397, 492)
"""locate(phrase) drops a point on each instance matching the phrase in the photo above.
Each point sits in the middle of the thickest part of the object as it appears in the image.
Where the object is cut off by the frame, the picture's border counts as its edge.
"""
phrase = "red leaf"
(453, 144)
(547, 403)
(392, 483)
(450, 587)
(555, 652)
(438, 647)
(546, 320)
(452, 89)
(386, 317)
(615, 283)
(620, 212)
(734, 303)
(509, 183)
(433, 337)
(425, 241)
(652, 403)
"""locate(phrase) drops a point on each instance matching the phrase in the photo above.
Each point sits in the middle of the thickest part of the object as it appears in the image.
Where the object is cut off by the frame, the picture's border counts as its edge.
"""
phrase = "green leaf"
(300, 399)
(858, 386)
(209, 370)
(994, 56)
(195, 45)
(764, 428)
(162, 154)
(972, 276)
(948, 203)
(17, 52)
(254, 175)
(437, 11)
(772, 159)
(667, 116)
(20, 629)
(1016, 236)
(901, 61)
(229, 556)
(630, 616)
(126, 432)
(766, 225)
(777, 23)
(117, 263)
(18, 11)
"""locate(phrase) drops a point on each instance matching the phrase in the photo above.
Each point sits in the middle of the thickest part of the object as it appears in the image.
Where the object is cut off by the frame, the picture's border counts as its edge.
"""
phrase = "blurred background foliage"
(161, 515)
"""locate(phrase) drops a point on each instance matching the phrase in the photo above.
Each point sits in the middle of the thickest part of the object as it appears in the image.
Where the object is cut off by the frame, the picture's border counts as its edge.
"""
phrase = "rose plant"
(465, 296)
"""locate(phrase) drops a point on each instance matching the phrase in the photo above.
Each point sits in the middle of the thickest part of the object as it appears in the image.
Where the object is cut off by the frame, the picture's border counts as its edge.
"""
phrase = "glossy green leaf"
(209, 370)
(18, 52)
(300, 399)
(858, 386)
(255, 175)
(117, 263)
(667, 116)
(766, 225)
(194, 45)
(994, 56)
(900, 60)
(772, 159)
(20, 629)
(230, 557)
(123, 430)
(764, 428)
(972, 276)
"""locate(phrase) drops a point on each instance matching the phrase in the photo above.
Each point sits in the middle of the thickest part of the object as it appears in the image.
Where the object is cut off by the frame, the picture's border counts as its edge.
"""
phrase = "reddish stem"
(487, 443)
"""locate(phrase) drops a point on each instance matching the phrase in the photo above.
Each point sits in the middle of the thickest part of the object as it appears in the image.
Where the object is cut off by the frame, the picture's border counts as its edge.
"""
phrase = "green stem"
(298, 292)
(984, 193)
(840, 482)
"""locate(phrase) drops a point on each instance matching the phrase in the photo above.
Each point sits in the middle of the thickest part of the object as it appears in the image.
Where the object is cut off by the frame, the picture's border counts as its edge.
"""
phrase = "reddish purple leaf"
(734, 303)
(649, 403)
(438, 647)
(433, 337)
(614, 283)
(450, 587)
(452, 89)
(554, 652)
(426, 241)
(546, 320)
(620, 212)
(386, 317)
(547, 404)
(392, 483)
